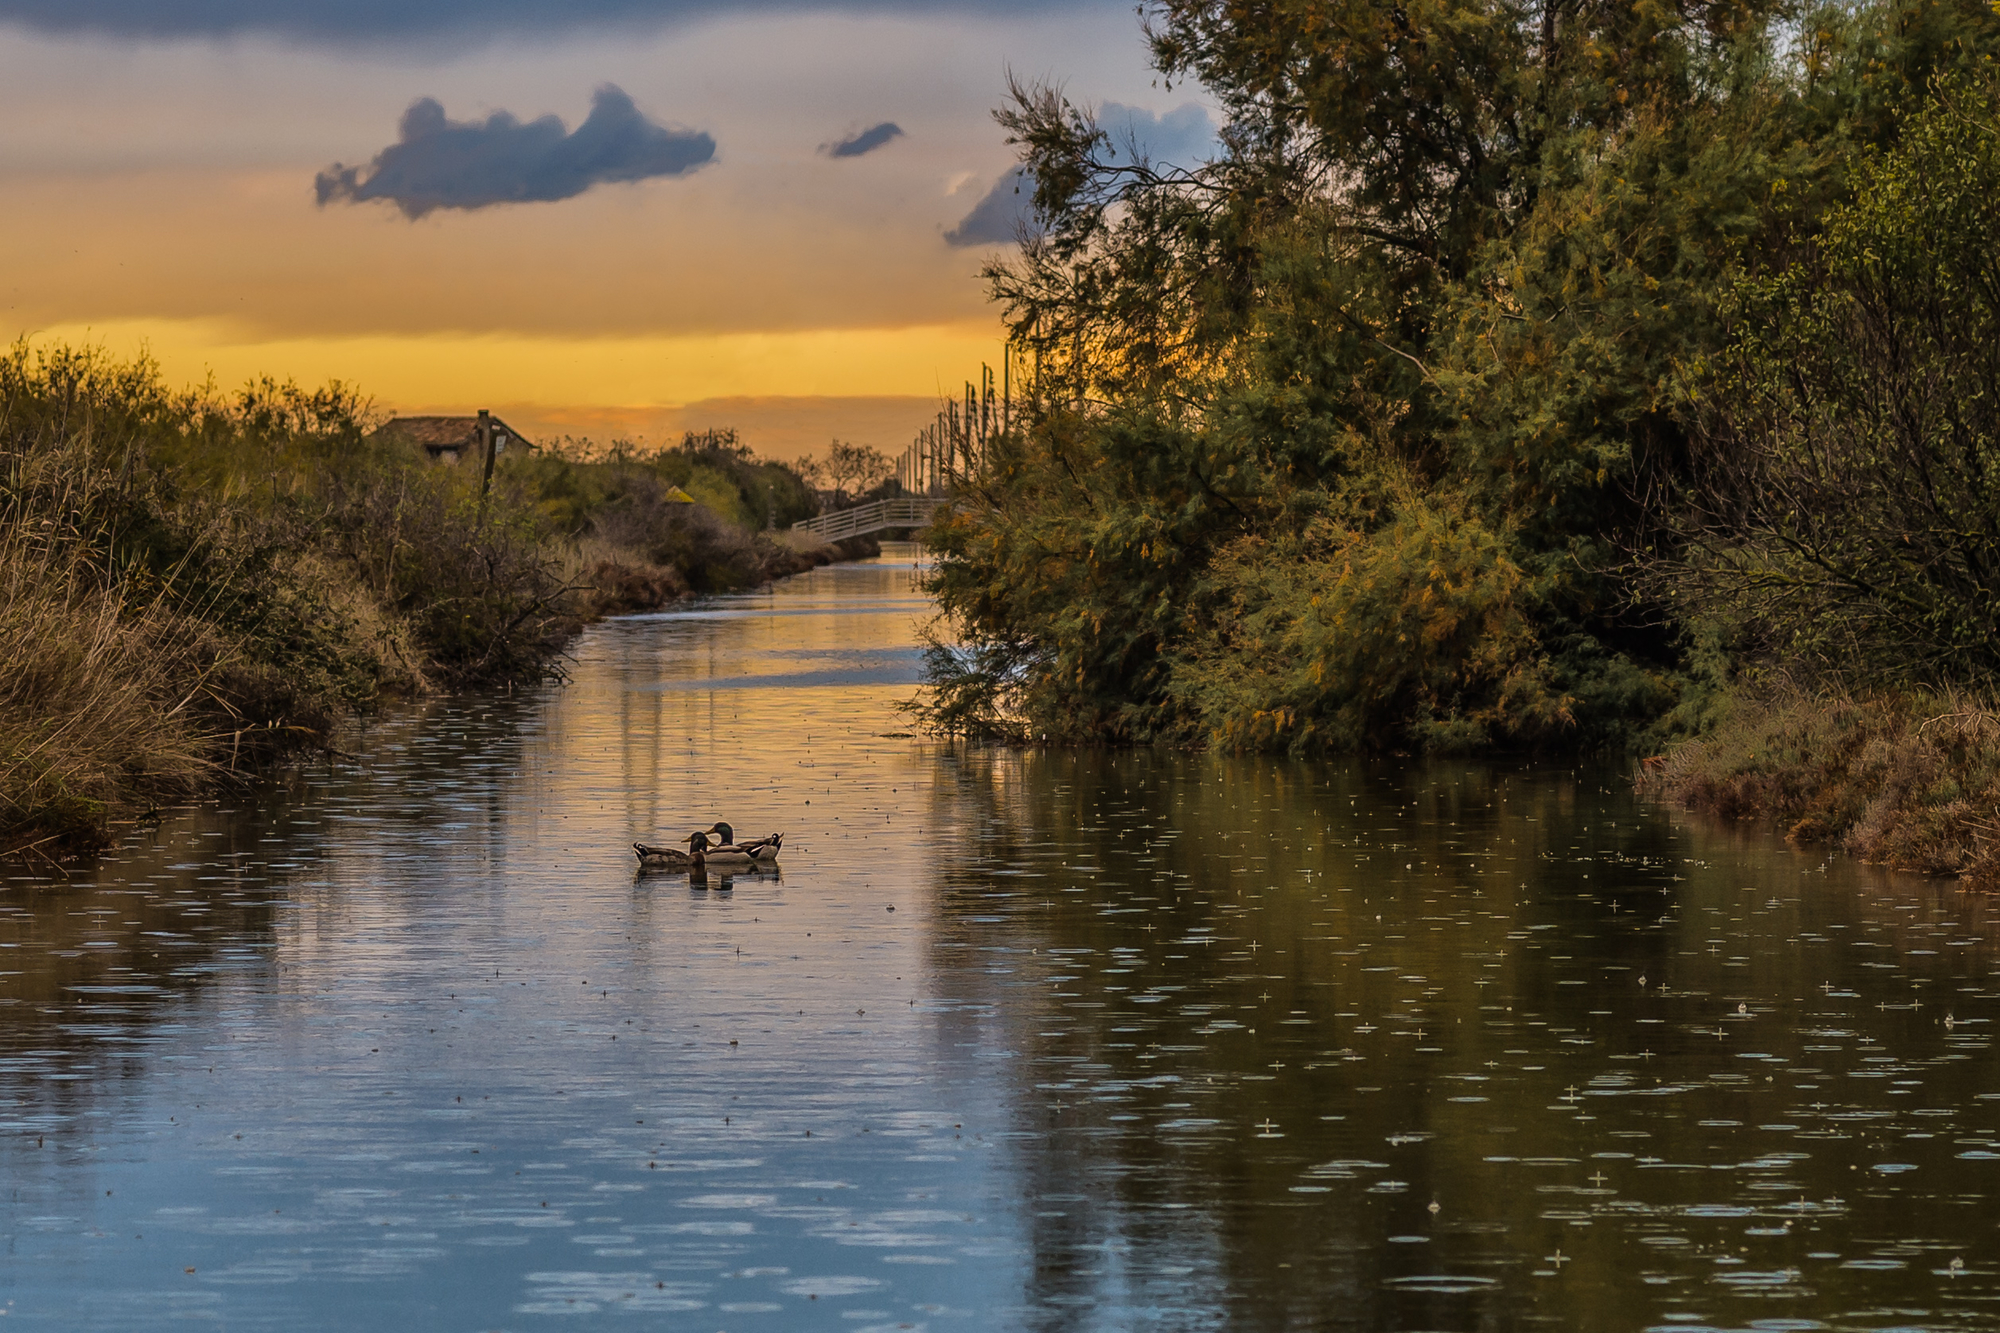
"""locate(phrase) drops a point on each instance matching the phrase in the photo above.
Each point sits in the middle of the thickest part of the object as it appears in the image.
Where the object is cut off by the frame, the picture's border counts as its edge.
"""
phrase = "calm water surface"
(1021, 1041)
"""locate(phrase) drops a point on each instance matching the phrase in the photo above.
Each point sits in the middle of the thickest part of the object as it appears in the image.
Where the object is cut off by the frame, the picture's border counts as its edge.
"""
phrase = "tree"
(1845, 508)
(1394, 368)
(848, 468)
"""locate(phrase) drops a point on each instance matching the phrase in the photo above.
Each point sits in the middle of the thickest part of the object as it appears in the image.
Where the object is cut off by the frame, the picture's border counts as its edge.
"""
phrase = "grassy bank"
(1910, 781)
(634, 548)
(194, 584)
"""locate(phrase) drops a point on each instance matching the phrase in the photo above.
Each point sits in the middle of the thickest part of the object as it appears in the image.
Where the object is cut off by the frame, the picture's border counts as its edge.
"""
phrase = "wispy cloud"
(867, 141)
(441, 163)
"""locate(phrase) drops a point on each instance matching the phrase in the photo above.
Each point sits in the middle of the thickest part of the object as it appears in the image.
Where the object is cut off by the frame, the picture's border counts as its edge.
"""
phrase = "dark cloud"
(368, 21)
(440, 163)
(865, 142)
(1183, 137)
(1005, 214)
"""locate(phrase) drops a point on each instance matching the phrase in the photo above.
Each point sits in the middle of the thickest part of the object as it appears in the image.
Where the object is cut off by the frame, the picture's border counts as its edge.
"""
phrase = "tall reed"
(193, 583)
(100, 677)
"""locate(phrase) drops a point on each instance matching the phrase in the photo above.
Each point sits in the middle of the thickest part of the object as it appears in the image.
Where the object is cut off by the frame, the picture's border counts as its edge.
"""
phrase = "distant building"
(451, 439)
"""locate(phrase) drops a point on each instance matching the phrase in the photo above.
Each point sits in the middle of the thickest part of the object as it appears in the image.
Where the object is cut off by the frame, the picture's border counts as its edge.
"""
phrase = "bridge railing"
(902, 512)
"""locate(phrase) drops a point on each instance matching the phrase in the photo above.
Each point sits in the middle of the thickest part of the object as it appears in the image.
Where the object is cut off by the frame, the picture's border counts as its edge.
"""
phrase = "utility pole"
(1006, 388)
(485, 452)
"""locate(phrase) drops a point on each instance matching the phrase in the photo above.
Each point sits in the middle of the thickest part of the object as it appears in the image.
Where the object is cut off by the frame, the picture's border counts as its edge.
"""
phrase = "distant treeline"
(192, 583)
(1517, 377)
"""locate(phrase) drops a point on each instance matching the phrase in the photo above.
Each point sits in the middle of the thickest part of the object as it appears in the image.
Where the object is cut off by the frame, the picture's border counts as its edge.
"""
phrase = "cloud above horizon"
(1005, 213)
(867, 141)
(342, 21)
(1184, 138)
(441, 163)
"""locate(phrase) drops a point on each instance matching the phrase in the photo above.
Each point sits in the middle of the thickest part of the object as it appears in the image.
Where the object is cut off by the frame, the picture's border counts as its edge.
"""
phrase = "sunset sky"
(749, 214)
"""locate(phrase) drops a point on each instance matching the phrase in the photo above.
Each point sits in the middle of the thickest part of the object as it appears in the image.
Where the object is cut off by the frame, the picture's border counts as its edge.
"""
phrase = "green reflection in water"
(1440, 1046)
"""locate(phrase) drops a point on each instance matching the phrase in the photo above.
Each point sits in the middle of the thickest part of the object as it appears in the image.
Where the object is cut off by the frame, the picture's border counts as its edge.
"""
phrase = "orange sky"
(161, 194)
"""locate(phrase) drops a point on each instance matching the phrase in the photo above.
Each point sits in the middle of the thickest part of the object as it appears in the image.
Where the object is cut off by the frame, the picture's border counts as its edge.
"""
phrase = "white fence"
(906, 512)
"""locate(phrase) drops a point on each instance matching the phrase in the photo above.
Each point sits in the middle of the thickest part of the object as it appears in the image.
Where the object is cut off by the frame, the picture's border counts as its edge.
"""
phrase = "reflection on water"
(1033, 1040)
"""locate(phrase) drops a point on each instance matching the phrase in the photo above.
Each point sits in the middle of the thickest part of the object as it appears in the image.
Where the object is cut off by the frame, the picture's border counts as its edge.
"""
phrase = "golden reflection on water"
(1018, 1039)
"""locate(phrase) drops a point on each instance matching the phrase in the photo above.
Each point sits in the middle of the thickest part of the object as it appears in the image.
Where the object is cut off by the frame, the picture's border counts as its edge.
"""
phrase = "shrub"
(1906, 780)
(1849, 468)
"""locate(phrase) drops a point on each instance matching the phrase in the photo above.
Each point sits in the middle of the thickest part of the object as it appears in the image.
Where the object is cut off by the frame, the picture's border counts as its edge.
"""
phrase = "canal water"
(1015, 1040)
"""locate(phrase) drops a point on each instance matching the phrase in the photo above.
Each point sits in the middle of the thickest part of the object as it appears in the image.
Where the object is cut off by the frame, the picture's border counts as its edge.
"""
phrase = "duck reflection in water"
(723, 879)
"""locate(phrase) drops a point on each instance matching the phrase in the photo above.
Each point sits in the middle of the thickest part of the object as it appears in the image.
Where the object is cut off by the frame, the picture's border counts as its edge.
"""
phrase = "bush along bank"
(194, 585)
(1317, 447)
(1908, 781)
(638, 548)
(633, 582)
(1667, 360)
(1837, 529)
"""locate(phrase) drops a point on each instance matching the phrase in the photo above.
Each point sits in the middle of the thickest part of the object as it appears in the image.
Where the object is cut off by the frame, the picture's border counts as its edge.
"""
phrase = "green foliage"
(1422, 620)
(618, 498)
(769, 494)
(1846, 506)
(573, 486)
(1345, 438)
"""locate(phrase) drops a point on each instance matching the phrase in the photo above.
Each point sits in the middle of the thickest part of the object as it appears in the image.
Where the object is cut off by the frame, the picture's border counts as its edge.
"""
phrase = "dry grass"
(96, 693)
(1908, 781)
(192, 586)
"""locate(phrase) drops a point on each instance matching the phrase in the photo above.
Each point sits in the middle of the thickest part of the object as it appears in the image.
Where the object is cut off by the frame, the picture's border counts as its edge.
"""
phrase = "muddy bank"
(1908, 781)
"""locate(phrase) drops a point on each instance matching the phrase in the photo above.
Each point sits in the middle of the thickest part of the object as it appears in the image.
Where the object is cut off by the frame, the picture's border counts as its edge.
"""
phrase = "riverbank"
(394, 956)
(623, 583)
(1908, 781)
(193, 586)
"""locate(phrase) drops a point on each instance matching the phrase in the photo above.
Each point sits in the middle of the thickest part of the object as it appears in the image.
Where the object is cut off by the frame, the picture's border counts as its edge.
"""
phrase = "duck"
(723, 856)
(764, 850)
(668, 858)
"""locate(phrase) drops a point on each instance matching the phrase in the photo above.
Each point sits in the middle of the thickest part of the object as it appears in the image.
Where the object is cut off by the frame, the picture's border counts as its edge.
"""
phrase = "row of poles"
(954, 445)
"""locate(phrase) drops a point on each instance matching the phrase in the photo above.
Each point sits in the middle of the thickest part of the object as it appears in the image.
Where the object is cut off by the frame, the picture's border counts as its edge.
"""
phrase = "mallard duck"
(720, 855)
(760, 849)
(667, 858)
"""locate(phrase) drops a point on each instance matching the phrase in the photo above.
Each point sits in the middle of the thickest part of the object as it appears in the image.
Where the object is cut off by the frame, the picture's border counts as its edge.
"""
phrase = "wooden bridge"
(909, 511)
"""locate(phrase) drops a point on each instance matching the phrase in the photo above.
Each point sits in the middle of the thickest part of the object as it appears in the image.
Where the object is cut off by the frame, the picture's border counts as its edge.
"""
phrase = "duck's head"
(724, 832)
(697, 843)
